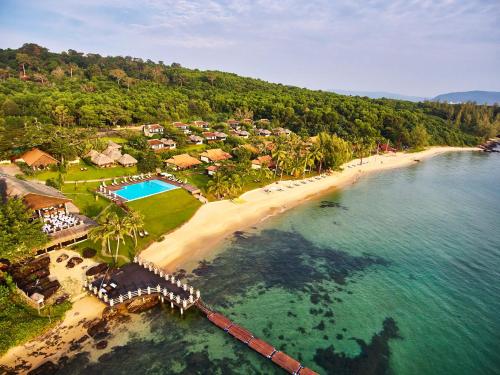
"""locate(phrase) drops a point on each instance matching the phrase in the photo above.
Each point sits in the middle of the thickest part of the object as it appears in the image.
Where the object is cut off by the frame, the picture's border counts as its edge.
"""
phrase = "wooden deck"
(281, 359)
(140, 279)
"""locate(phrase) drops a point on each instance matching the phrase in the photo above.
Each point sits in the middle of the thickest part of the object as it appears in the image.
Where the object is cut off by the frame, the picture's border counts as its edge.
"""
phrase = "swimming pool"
(144, 189)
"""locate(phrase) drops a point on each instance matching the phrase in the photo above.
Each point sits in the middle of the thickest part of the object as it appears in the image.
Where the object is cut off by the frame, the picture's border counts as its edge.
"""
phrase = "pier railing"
(189, 298)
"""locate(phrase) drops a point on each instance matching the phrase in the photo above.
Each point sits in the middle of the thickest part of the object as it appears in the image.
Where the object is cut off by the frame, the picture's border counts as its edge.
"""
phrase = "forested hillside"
(73, 89)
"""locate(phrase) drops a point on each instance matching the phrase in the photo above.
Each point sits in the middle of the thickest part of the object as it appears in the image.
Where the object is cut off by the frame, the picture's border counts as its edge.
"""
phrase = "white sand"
(216, 220)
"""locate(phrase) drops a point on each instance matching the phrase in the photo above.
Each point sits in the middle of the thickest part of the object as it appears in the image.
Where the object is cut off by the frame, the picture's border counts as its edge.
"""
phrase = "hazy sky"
(416, 47)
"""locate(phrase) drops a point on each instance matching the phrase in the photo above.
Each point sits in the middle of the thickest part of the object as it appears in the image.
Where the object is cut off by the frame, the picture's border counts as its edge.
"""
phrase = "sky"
(413, 47)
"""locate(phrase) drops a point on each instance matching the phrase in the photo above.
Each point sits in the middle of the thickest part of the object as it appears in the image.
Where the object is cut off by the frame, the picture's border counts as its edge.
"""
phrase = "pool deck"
(120, 200)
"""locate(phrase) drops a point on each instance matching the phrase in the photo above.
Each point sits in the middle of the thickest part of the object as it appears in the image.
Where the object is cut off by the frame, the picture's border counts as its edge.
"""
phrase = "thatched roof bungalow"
(127, 160)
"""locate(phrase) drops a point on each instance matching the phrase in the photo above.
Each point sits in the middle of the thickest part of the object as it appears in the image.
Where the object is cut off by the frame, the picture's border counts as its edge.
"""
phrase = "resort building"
(153, 129)
(127, 160)
(282, 131)
(235, 124)
(263, 161)
(247, 121)
(220, 136)
(263, 132)
(214, 155)
(37, 159)
(99, 159)
(209, 136)
(62, 222)
(183, 161)
(112, 153)
(182, 127)
(212, 169)
(240, 133)
(195, 139)
(162, 144)
(201, 124)
(112, 144)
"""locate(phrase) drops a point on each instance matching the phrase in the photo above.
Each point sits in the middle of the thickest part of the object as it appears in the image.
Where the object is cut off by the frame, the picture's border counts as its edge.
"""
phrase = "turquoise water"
(144, 189)
(397, 274)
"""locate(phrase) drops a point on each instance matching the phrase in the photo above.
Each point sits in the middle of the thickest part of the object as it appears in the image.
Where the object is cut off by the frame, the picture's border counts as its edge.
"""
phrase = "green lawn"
(118, 140)
(194, 148)
(20, 323)
(92, 173)
(83, 196)
(162, 214)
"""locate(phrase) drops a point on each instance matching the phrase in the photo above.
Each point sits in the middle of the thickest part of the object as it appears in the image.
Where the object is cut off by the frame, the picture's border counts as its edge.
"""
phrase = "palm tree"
(120, 228)
(218, 185)
(279, 154)
(235, 183)
(135, 222)
(316, 155)
(103, 232)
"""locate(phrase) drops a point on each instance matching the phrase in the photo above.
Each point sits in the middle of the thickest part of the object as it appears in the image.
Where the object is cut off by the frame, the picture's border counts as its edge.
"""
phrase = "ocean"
(397, 274)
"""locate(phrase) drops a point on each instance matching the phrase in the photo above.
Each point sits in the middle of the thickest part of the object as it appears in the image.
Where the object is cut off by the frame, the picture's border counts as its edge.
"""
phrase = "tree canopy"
(73, 89)
(19, 235)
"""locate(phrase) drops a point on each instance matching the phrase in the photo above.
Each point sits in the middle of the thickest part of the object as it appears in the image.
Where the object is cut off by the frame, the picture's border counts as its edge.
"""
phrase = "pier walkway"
(142, 279)
(283, 360)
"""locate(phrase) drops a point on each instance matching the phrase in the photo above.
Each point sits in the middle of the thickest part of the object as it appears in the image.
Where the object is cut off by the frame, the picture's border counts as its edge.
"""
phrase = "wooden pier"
(283, 360)
(141, 279)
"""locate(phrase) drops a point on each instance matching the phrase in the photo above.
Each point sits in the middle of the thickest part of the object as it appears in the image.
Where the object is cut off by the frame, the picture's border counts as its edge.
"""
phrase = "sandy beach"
(216, 220)
(193, 242)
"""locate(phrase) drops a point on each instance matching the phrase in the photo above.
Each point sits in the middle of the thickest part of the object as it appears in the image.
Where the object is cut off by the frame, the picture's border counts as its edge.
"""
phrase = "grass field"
(162, 214)
(85, 199)
(92, 173)
(118, 140)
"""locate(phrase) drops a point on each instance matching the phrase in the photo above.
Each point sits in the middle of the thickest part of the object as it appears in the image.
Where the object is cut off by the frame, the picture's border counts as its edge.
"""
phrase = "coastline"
(195, 241)
(214, 221)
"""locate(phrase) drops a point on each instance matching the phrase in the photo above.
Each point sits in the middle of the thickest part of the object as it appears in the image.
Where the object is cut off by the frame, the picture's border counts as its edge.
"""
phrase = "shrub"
(52, 182)
(89, 252)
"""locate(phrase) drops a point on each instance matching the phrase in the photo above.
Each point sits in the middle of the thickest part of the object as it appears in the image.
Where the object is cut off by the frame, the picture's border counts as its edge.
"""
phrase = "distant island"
(479, 97)
(476, 96)
(380, 95)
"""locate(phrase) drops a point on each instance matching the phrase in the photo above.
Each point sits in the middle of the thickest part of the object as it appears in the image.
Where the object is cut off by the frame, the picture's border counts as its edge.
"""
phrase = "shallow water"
(399, 273)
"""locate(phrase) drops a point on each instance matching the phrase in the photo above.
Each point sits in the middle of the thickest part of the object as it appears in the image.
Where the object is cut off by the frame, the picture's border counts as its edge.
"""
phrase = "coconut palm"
(218, 185)
(102, 233)
(120, 229)
(316, 156)
(235, 183)
(279, 153)
(135, 223)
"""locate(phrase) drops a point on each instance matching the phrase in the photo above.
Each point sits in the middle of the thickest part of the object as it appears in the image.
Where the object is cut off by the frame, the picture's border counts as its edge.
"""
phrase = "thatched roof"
(112, 144)
(100, 159)
(36, 158)
(183, 161)
(112, 153)
(127, 159)
(216, 154)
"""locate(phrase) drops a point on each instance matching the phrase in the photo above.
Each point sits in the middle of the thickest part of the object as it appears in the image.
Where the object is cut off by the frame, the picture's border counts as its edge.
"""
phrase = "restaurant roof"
(36, 157)
(183, 161)
(216, 154)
